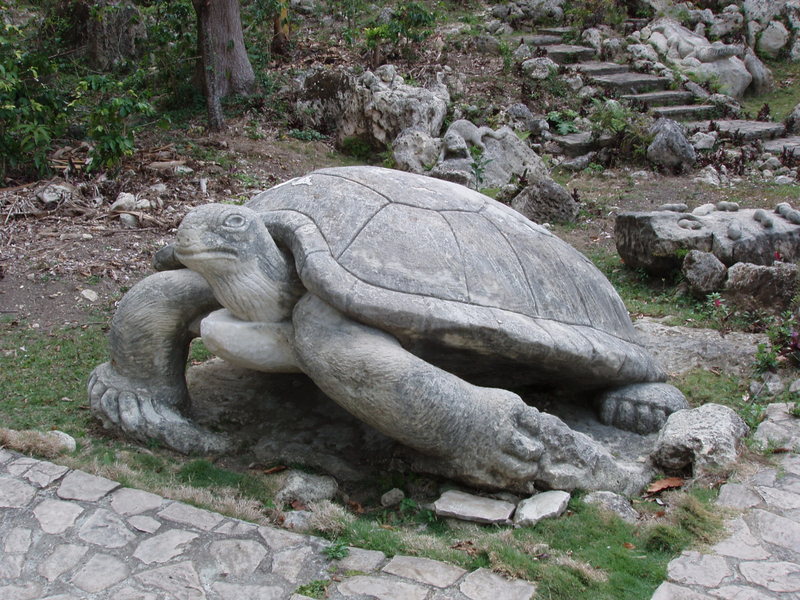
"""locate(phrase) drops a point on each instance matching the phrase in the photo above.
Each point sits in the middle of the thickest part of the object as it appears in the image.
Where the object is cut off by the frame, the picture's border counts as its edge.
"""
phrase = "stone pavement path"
(69, 535)
(760, 558)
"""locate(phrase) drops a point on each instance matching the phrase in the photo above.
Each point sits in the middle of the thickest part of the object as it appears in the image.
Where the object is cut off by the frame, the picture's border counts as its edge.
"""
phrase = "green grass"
(202, 473)
(786, 94)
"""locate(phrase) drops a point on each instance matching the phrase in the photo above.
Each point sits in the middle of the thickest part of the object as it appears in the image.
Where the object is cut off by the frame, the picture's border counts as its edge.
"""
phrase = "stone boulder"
(655, 240)
(374, 106)
(793, 120)
(761, 287)
(547, 505)
(538, 68)
(762, 76)
(706, 438)
(305, 487)
(763, 11)
(613, 503)
(415, 150)
(670, 149)
(773, 39)
(545, 201)
(704, 272)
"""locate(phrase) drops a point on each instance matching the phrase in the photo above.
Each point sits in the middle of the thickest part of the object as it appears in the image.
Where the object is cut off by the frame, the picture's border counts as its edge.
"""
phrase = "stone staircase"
(772, 135)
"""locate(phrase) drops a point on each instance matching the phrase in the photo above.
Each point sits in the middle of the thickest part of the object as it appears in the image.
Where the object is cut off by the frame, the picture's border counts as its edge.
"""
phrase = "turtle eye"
(234, 221)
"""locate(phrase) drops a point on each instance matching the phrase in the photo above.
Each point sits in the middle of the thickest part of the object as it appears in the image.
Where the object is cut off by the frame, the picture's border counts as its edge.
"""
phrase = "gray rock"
(237, 558)
(706, 437)
(415, 150)
(760, 287)
(163, 547)
(545, 201)
(99, 573)
(693, 568)
(127, 501)
(468, 507)
(762, 76)
(53, 195)
(104, 528)
(793, 120)
(630, 407)
(704, 272)
(482, 584)
(199, 518)
(55, 516)
(15, 493)
(298, 520)
(670, 148)
(424, 570)
(737, 495)
(63, 558)
(704, 141)
(614, 503)
(392, 498)
(776, 576)
(773, 39)
(362, 560)
(537, 69)
(775, 529)
(546, 505)
(364, 586)
(305, 488)
(741, 544)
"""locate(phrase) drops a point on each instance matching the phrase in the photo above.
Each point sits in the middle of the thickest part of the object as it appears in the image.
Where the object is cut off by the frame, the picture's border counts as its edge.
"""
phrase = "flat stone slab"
(777, 146)
(632, 83)
(684, 112)
(78, 485)
(577, 144)
(467, 507)
(693, 568)
(542, 39)
(597, 67)
(567, 53)
(660, 98)
(546, 505)
(485, 585)
(424, 570)
(748, 130)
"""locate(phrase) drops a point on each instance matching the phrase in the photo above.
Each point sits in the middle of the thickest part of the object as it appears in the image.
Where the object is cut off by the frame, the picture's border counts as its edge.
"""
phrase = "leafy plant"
(336, 551)
(628, 128)
(409, 24)
(590, 13)
(563, 121)
(478, 165)
(306, 135)
(314, 589)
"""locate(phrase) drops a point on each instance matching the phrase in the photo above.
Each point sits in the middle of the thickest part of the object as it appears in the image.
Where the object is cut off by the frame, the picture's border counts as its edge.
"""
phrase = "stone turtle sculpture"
(402, 297)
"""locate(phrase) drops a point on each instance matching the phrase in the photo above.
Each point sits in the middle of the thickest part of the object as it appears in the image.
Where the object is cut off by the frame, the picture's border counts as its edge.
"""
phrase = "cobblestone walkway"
(68, 535)
(760, 559)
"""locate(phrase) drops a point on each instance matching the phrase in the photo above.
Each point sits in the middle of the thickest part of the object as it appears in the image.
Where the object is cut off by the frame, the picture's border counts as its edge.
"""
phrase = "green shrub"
(409, 24)
(590, 13)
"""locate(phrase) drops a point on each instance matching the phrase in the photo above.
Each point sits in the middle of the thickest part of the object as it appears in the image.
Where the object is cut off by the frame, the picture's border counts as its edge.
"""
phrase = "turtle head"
(232, 249)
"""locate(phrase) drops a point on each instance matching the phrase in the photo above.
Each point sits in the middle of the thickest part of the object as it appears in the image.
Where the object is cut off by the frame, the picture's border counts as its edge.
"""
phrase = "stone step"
(596, 68)
(566, 53)
(556, 30)
(632, 83)
(749, 130)
(541, 39)
(685, 112)
(662, 98)
(578, 144)
(791, 144)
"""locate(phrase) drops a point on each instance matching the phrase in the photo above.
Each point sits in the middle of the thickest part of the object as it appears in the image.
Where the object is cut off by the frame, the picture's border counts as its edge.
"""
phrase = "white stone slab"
(467, 507)
(485, 585)
(424, 570)
(179, 512)
(56, 516)
(163, 547)
(78, 485)
(546, 505)
(127, 501)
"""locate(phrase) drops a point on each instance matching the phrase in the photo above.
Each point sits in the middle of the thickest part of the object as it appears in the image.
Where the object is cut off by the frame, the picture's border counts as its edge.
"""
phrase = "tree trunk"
(225, 66)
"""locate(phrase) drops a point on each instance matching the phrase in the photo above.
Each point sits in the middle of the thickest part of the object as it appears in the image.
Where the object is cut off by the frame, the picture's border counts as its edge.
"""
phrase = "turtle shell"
(455, 276)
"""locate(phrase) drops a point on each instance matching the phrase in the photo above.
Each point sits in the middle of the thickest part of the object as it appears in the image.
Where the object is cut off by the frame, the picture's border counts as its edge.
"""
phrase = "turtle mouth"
(205, 253)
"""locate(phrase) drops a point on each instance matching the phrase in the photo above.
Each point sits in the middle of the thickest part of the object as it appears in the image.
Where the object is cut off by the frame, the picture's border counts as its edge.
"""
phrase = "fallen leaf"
(628, 545)
(297, 505)
(668, 483)
(355, 507)
(275, 469)
(465, 546)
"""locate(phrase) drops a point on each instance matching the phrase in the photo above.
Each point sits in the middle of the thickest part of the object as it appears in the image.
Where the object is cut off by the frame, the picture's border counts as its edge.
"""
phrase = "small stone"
(78, 485)
(15, 493)
(424, 570)
(615, 503)
(106, 529)
(739, 496)
(55, 516)
(63, 558)
(90, 295)
(183, 170)
(467, 507)
(100, 573)
(129, 221)
(298, 520)
(239, 558)
(362, 560)
(66, 442)
(189, 515)
(794, 387)
(392, 498)
(44, 473)
(693, 568)
(546, 505)
(380, 587)
(305, 488)
(163, 547)
(144, 523)
(775, 576)
(124, 202)
(128, 501)
(482, 584)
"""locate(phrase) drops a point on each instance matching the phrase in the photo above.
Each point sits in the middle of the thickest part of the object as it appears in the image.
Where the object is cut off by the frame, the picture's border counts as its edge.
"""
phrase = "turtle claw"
(640, 407)
(137, 410)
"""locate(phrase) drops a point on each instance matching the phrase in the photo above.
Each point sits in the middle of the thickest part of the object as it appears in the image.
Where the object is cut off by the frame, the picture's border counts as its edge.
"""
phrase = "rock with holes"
(409, 301)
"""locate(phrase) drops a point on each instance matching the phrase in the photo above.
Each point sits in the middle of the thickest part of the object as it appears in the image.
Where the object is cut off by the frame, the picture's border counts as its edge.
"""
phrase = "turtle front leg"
(142, 390)
(640, 407)
(484, 436)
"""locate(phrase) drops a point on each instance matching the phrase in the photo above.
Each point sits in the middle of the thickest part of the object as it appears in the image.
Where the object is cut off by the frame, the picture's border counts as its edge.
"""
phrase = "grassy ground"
(784, 97)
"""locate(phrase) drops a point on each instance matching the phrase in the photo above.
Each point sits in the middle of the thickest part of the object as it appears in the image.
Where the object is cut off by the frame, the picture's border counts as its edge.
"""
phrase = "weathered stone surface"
(100, 573)
(44, 473)
(424, 570)
(775, 576)
(239, 558)
(362, 560)
(736, 495)
(670, 591)
(704, 272)
(384, 589)
(741, 543)
(290, 563)
(179, 581)
(539, 68)
(482, 584)
(706, 437)
(26, 591)
(775, 529)
(670, 148)
(55, 516)
(78, 485)
(762, 76)
(545, 201)
(278, 539)
(773, 39)
(190, 515)
(15, 493)
(18, 539)
(163, 547)
(11, 566)
(615, 503)
(306, 487)
(63, 558)
(652, 240)
(232, 591)
(546, 505)
(415, 150)
(693, 568)
(128, 501)
(761, 287)
(106, 529)
(468, 507)
(392, 498)
(144, 523)
(779, 499)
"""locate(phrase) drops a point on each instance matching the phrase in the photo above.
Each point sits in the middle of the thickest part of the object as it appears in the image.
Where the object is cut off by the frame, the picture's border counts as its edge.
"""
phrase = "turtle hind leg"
(640, 407)
(142, 390)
